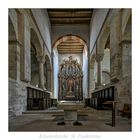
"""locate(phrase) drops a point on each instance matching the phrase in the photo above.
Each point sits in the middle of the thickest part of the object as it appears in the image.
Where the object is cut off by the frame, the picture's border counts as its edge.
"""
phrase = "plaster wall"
(43, 22)
(79, 30)
(96, 24)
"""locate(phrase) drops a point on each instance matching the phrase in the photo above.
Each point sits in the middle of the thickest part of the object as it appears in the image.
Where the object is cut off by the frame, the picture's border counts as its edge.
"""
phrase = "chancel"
(70, 69)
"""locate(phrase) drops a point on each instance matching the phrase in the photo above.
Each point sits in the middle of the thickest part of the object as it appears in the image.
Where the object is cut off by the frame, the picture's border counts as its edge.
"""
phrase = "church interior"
(69, 69)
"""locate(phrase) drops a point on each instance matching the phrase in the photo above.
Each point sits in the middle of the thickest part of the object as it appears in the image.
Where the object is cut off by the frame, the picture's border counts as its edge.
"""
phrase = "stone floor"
(47, 120)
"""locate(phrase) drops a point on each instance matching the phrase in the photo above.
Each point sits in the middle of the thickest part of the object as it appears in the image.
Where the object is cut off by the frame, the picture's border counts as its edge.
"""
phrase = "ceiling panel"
(70, 16)
(66, 17)
(70, 46)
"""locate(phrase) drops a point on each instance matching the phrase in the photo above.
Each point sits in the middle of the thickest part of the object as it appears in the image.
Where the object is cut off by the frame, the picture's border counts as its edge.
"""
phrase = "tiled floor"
(91, 120)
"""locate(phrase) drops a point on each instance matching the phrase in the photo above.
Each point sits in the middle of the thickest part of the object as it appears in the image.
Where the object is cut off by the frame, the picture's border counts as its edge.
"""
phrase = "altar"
(70, 111)
(70, 79)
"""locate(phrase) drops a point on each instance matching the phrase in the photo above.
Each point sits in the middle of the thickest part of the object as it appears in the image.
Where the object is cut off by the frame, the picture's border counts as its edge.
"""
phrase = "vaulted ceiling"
(70, 16)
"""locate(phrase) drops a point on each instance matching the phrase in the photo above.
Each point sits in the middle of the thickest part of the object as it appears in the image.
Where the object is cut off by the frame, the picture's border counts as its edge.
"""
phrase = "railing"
(37, 99)
(100, 96)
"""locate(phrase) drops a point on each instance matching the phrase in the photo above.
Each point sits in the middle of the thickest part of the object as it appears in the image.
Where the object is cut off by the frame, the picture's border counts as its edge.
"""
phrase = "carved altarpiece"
(70, 80)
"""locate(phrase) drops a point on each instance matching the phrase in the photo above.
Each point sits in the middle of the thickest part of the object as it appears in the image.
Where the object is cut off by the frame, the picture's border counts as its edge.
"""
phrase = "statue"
(70, 59)
(70, 86)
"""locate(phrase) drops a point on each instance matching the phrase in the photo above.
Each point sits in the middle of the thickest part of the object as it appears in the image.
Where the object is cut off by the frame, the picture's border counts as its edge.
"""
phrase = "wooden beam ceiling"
(70, 16)
(70, 46)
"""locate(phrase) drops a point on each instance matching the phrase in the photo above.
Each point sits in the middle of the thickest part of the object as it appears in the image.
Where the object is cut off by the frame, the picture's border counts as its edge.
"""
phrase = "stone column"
(92, 81)
(99, 58)
(49, 79)
(125, 89)
(41, 62)
(25, 57)
(126, 57)
(115, 49)
(14, 59)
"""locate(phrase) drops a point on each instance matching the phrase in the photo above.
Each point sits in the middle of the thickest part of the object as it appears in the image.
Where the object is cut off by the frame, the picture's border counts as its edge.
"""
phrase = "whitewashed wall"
(85, 73)
(55, 72)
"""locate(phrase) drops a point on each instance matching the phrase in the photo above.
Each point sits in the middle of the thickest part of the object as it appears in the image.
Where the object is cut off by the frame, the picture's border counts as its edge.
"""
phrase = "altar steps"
(57, 110)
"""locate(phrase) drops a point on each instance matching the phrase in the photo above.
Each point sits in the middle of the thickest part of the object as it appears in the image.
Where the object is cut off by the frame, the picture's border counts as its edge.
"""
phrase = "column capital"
(15, 42)
(125, 42)
(40, 59)
(99, 57)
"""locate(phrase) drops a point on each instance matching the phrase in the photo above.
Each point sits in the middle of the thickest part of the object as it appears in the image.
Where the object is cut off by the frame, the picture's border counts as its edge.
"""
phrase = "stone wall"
(25, 62)
(91, 80)
(17, 98)
(13, 16)
(118, 28)
(105, 67)
(20, 64)
(121, 57)
(124, 91)
(93, 77)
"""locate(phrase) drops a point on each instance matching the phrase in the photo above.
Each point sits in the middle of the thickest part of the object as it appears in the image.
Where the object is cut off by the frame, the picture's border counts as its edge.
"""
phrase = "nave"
(70, 69)
(90, 119)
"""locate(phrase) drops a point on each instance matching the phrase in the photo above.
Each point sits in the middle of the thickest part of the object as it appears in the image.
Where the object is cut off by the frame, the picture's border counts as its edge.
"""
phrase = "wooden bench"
(126, 111)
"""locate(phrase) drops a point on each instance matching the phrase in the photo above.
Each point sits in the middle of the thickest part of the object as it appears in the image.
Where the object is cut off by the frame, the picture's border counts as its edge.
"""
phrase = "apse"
(70, 48)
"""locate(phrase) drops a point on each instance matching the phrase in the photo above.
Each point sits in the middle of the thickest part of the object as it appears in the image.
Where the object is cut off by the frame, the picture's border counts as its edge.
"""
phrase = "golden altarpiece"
(70, 78)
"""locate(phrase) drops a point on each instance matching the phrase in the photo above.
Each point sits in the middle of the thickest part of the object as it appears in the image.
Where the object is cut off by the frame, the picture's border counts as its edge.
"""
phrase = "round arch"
(35, 54)
(67, 37)
(48, 58)
(12, 32)
(36, 42)
(126, 34)
(104, 38)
